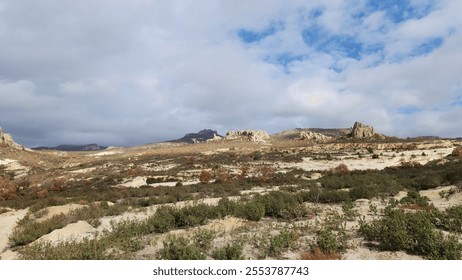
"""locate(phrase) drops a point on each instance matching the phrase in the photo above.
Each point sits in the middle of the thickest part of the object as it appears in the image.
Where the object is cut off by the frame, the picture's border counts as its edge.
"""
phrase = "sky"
(123, 73)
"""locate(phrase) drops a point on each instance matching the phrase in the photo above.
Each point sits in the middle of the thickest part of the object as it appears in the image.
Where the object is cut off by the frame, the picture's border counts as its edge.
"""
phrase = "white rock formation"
(313, 136)
(258, 136)
(7, 140)
(361, 131)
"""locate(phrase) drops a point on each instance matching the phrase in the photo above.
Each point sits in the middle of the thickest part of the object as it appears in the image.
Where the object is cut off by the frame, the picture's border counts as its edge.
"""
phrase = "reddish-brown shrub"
(8, 188)
(57, 185)
(244, 171)
(264, 173)
(221, 175)
(457, 152)
(318, 254)
(205, 176)
(42, 193)
(341, 169)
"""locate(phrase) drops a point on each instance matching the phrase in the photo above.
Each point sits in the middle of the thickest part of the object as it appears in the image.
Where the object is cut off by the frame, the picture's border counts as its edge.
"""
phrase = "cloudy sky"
(119, 72)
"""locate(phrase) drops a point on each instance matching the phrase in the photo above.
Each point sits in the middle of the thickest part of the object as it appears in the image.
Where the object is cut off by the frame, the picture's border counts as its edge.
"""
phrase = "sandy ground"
(76, 231)
(8, 222)
(364, 253)
(353, 162)
(441, 202)
(84, 170)
(105, 153)
(61, 209)
(141, 181)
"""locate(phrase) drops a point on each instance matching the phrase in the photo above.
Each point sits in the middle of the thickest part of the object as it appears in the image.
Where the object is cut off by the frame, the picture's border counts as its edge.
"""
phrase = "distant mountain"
(201, 136)
(74, 148)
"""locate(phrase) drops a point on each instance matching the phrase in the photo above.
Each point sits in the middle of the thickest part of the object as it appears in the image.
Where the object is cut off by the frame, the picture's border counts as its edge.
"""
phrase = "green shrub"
(367, 192)
(29, 230)
(452, 219)
(231, 251)
(274, 245)
(88, 249)
(179, 248)
(226, 207)
(162, 221)
(251, 210)
(203, 239)
(414, 233)
(414, 198)
(279, 204)
(330, 241)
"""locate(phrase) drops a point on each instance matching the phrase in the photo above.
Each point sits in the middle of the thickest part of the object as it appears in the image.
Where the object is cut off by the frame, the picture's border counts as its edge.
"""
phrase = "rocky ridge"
(7, 140)
(201, 136)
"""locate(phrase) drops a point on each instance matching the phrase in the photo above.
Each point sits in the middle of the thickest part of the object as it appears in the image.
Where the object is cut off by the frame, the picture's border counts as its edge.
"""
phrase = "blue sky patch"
(319, 39)
(285, 59)
(251, 36)
(409, 110)
(427, 46)
(457, 102)
(398, 10)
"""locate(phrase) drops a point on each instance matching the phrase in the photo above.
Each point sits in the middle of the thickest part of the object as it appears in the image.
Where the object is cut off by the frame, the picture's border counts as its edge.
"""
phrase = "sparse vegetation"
(269, 191)
(415, 233)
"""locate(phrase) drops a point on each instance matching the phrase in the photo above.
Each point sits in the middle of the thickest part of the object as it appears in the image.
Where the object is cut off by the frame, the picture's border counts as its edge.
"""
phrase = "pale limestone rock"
(313, 136)
(258, 136)
(361, 131)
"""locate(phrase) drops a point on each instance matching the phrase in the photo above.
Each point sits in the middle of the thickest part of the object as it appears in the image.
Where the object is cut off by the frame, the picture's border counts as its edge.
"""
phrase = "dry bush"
(264, 173)
(244, 171)
(410, 164)
(133, 172)
(42, 193)
(457, 152)
(58, 185)
(8, 188)
(221, 175)
(341, 169)
(318, 254)
(205, 176)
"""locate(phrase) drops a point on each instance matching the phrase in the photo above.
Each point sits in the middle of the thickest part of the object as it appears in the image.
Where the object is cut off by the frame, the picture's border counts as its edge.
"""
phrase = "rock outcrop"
(7, 140)
(361, 131)
(313, 136)
(258, 136)
(201, 136)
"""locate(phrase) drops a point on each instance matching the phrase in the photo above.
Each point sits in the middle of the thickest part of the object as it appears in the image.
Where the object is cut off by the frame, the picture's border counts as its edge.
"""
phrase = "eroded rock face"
(362, 131)
(258, 136)
(313, 136)
(7, 140)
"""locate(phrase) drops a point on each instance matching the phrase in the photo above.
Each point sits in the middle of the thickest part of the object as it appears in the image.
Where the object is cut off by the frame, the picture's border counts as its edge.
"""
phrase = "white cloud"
(142, 71)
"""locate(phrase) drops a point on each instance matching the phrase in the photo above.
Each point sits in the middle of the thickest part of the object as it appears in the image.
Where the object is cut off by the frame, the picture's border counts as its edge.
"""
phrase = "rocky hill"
(74, 148)
(201, 136)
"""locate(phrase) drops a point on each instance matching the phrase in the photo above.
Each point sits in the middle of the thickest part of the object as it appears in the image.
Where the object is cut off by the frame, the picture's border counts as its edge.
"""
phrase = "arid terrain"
(300, 194)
